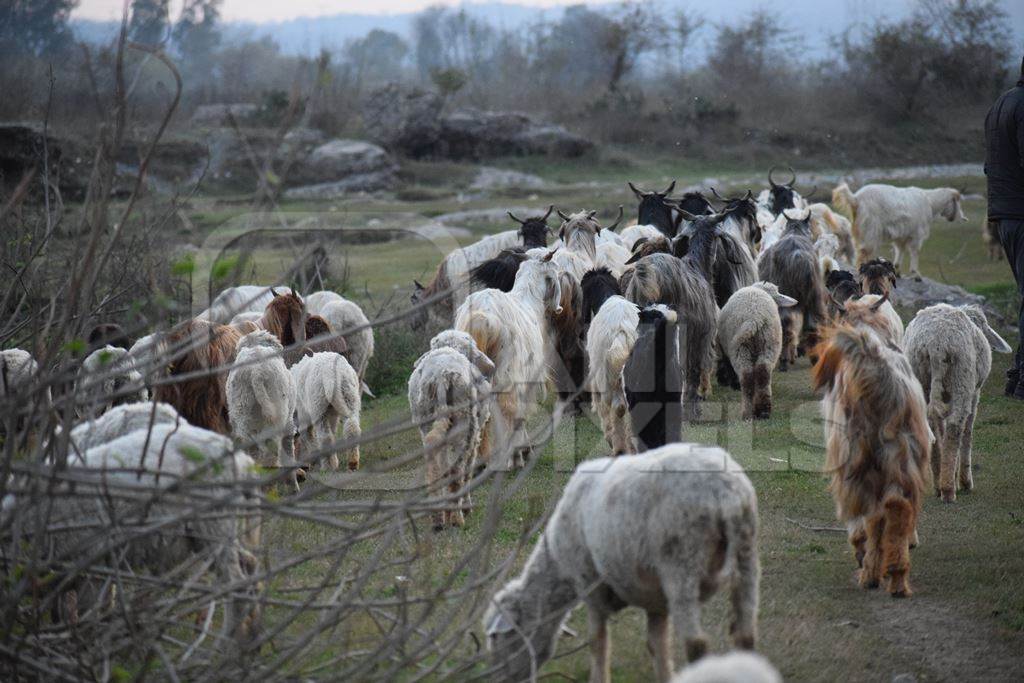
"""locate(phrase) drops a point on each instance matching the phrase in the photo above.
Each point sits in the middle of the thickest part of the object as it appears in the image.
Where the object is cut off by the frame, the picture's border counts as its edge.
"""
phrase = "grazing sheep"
(652, 380)
(662, 532)
(235, 300)
(598, 286)
(877, 450)
(610, 340)
(120, 421)
(285, 318)
(451, 285)
(750, 336)
(449, 395)
(133, 482)
(320, 337)
(792, 264)
(828, 222)
(652, 210)
(875, 312)
(949, 350)
(327, 393)
(106, 378)
(510, 328)
(990, 237)
(902, 215)
(198, 346)
(877, 276)
(348, 320)
(733, 667)
(261, 400)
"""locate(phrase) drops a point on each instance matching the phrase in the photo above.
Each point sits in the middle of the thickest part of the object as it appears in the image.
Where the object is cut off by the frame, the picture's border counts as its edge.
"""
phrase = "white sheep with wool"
(261, 400)
(750, 337)
(610, 340)
(17, 370)
(901, 215)
(106, 378)
(663, 532)
(950, 351)
(449, 395)
(120, 421)
(347, 319)
(327, 393)
(732, 667)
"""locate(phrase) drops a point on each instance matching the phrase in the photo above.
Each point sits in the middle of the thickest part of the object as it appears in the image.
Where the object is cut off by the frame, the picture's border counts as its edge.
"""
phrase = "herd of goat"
(635, 320)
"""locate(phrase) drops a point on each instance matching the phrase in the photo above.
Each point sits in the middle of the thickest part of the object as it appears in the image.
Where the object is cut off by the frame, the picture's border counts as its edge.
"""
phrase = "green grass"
(966, 619)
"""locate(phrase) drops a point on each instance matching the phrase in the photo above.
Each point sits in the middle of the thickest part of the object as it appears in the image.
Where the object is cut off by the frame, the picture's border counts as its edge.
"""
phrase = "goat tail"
(844, 200)
(616, 358)
(938, 407)
(485, 330)
(434, 440)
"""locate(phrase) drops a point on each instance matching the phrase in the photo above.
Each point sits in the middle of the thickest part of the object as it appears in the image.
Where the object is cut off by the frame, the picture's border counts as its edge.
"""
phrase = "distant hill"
(814, 21)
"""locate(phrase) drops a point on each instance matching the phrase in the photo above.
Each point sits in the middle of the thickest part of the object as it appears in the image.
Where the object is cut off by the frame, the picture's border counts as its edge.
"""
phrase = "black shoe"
(1012, 382)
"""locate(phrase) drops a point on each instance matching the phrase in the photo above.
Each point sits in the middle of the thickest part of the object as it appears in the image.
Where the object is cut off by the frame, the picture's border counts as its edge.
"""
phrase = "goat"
(877, 276)
(347, 319)
(106, 378)
(878, 445)
(108, 334)
(653, 211)
(320, 337)
(876, 312)
(781, 196)
(327, 393)
(199, 346)
(500, 271)
(733, 266)
(652, 380)
(826, 221)
(950, 350)
(285, 318)
(597, 286)
(235, 300)
(902, 215)
(662, 532)
(841, 285)
(610, 340)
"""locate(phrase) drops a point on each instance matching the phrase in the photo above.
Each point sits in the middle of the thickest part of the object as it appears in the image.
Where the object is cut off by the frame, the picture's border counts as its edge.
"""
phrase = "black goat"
(877, 276)
(534, 230)
(598, 285)
(500, 271)
(652, 378)
(653, 211)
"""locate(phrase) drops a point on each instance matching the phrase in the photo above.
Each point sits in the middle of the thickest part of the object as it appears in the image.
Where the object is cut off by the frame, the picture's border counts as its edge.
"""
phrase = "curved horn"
(273, 293)
(748, 195)
(548, 256)
(770, 181)
(550, 209)
(685, 214)
(562, 215)
(639, 193)
(878, 304)
(671, 187)
(792, 182)
(617, 220)
(591, 214)
(720, 197)
(842, 308)
(513, 217)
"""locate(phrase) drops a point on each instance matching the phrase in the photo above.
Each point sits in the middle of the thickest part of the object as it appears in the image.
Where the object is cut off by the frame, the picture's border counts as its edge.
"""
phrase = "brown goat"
(318, 327)
(200, 346)
(877, 276)
(285, 318)
(568, 361)
(878, 449)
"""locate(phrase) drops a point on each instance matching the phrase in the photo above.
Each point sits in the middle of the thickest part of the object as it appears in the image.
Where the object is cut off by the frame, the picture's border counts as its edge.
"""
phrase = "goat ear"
(499, 624)
(784, 301)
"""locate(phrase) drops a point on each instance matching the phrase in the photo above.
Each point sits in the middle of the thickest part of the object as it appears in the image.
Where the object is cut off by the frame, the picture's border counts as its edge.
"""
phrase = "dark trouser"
(1011, 235)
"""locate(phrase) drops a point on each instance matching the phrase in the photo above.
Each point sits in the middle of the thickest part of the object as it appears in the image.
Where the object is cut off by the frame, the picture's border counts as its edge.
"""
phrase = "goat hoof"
(949, 496)
(353, 466)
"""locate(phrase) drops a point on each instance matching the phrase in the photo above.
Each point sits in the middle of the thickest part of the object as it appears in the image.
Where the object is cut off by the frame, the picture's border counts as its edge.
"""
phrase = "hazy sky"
(276, 10)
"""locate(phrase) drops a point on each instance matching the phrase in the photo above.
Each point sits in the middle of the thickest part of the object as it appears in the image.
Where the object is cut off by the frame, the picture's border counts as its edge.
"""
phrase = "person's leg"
(1011, 236)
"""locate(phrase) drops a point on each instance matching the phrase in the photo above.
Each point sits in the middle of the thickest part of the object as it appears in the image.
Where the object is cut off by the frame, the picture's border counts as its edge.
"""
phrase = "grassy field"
(966, 619)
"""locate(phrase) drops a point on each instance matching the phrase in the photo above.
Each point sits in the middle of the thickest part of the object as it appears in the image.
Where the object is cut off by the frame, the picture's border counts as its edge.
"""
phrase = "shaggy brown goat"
(200, 346)
(877, 276)
(285, 318)
(878, 449)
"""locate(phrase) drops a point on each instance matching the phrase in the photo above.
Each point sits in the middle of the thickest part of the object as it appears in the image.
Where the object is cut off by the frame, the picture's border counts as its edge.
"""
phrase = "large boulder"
(221, 114)
(913, 294)
(403, 121)
(339, 167)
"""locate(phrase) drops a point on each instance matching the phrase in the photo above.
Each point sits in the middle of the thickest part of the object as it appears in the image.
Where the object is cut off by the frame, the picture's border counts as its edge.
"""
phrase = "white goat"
(902, 215)
(663, 532)
(613, 256)
(610, 339)
(630, 235)
(327, 392)
(235, 300)
(510, 329)
(826, 221)
(449, 395)
(949, 350)
(261, 400)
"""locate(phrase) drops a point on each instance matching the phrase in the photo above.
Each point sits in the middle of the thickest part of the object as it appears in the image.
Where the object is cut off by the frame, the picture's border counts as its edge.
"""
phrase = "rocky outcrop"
(343, 166)
(220, 114)
(911, 295)
(404, 121)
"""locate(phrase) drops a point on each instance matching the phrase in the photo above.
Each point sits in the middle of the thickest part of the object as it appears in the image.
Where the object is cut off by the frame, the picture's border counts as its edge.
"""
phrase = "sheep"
(902, 215)
(826, 221)
(285, 318)
(652, 380)
(347, 319)
(136, 481)
(106, 378)
(261, 400)
(990, 237)
(653, 211)
(750, 336)
(791, 263)
(949, 350)
(662, 532)
(683, 284)
(510, 329)
(610, 340)
(450, 285)
(733, 667)
(17, 371)
(120, 421)
(878, 445)
(197, 346)
(327, 393)
(630, 235)
(235, 300)
(875, 312)
(18, 398)
(877, 276)
(449, 394)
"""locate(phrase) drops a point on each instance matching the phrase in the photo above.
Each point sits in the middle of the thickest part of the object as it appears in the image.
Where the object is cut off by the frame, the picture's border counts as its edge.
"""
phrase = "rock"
(553, 141)
(490, 178)
(913, 295)
(476, 134)
(403, 121)
(359, 182)
(217, 114)
(338, 159)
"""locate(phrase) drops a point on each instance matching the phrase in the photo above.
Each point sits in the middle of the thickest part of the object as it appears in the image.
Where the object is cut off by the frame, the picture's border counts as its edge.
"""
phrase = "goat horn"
(562, 215)
(417, 283)
(878, 304)
(513, 217)
(671, 187)
(550, 209)
(617, 220)
(792, 182)
(591, 214)
(638, 193)
(748, 195)
(720, 197)
(770, 181)
(684, 213)
(274, 293)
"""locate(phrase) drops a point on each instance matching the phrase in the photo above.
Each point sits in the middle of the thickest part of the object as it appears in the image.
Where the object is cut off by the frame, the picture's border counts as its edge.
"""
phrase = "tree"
(635, 31)
(745, 54)
(685, 30)
(196, 35)
(38, 27)
(376, 57)
(149, 21)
